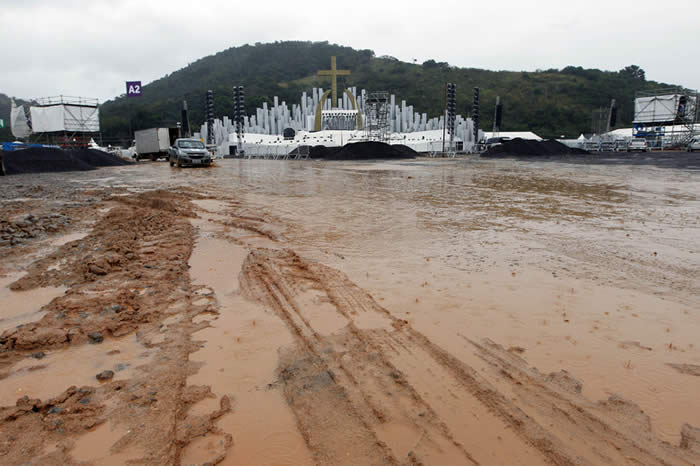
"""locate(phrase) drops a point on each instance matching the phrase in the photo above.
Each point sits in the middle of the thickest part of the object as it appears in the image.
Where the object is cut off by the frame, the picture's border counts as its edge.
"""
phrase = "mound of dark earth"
(38, 160)
(363, 151)
(519, 147)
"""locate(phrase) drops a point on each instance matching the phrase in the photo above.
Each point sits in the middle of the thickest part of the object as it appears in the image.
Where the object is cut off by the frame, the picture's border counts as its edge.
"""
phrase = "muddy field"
(287, 313)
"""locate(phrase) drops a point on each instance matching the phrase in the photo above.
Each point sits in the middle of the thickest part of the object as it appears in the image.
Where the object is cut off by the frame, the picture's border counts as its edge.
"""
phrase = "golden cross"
(334, 73)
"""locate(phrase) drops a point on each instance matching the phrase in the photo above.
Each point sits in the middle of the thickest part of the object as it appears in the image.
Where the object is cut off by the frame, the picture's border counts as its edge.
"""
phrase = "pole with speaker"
(185, 121)
(451, 112)
(239, 115)
(475, 114)
(210, 117)
(497, 117)
(612, 115)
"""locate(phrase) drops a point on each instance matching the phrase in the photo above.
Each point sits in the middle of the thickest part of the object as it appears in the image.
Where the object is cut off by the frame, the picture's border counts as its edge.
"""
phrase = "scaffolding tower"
(666, 117)
(377, 116)
(604, 118)
(66, 121)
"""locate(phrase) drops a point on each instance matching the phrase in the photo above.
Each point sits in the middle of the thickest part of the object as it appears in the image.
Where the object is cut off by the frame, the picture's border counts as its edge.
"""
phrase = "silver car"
(694, 144)
(187, 151)
(638, 145)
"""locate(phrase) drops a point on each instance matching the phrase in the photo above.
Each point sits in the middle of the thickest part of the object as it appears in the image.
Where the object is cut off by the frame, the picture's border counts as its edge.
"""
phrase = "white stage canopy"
(662, 108)
(64, 117)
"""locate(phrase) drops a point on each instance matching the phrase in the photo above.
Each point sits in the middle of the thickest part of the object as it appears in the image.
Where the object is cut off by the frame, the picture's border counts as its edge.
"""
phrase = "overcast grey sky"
(90, 47)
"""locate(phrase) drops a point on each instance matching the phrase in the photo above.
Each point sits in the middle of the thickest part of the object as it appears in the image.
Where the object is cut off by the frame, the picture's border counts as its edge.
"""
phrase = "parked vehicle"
(189, 151)
(638, 145)
(694, 144)
(608, 146)
(620, 145)
(154, 143)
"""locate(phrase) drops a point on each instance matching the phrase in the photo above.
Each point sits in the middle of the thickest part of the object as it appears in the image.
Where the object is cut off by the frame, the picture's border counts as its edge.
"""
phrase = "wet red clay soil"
(419, 312)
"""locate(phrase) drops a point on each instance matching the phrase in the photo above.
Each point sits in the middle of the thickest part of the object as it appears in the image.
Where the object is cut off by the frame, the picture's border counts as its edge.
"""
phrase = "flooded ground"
(428, 311)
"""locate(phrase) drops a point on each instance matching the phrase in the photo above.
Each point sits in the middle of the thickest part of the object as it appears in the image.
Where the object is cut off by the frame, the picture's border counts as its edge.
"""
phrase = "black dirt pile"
(39, 160)
(529, 148)
(363, 151)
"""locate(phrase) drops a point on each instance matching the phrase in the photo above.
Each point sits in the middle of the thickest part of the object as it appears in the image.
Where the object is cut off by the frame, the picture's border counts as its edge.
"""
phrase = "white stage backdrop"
(65, 118)
(660, 109)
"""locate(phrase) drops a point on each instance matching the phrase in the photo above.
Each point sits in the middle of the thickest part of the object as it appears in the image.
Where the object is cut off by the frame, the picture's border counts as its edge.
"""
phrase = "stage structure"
(666, 118)
(69, 122)
(338, 120)
(337, 113)
(376, 110)
(343, 120)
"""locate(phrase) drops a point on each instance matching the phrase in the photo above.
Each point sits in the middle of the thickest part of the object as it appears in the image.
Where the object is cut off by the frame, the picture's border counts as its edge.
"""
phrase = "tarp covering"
(65, 118)
(513, 135)
(18, 122)
(663, 108)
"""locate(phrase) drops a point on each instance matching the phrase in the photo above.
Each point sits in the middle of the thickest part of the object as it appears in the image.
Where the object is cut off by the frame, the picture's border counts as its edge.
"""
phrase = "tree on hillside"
(433, 64)
(633, 72)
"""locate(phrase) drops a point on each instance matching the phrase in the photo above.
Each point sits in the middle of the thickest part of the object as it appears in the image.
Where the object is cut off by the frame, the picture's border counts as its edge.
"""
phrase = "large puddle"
(96, 446)
(582, 267)
(72, 366)
(22, 307)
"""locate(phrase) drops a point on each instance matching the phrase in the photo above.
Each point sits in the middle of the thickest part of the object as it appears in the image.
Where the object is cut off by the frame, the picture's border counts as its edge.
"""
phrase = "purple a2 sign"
(133, 88)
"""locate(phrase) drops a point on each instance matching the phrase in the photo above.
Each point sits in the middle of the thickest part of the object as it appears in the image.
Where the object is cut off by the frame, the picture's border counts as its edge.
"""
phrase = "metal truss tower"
(377, 116)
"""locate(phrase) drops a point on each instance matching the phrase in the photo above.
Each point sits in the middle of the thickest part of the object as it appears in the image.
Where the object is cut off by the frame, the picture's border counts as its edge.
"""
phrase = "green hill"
(550, 103)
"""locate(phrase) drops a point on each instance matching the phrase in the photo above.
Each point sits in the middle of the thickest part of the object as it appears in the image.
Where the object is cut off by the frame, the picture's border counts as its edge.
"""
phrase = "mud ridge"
(127, 279)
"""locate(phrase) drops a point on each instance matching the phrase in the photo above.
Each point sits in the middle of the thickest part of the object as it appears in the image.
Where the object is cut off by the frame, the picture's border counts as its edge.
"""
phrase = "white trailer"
(154, 143)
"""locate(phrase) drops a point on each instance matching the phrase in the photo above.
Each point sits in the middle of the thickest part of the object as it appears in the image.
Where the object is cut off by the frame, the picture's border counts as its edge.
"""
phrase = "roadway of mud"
(421, 312)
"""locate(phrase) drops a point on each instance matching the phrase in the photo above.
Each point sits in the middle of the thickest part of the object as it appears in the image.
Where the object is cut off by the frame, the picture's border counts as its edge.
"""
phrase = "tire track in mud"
(616, 430)
(386, 393)
(346, 373)
(310, 385)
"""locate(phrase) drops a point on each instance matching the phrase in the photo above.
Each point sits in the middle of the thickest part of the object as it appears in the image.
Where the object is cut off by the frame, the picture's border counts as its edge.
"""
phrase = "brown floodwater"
(589, 268)
(96, 446)
(23, 307)
(75, 365)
